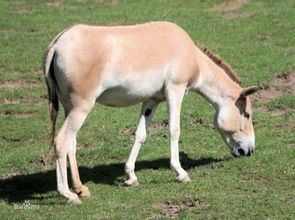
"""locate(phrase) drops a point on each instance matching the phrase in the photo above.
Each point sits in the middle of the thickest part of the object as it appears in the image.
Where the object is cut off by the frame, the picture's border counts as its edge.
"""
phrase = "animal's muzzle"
(241, 152)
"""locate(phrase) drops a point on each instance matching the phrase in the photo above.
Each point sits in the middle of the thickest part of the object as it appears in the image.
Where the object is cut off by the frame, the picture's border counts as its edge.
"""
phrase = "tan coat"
(148, 63)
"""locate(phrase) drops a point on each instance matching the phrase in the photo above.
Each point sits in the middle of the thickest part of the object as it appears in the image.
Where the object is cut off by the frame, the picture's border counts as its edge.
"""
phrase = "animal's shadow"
(25, 187)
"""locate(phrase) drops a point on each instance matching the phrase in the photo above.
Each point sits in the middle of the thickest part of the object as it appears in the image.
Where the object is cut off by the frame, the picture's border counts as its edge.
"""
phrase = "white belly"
(127, 89)
(121, 96)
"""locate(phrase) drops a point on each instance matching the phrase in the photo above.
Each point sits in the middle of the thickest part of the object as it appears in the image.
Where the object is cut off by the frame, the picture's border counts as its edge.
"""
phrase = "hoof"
(183, 179)
(84, 194)
(83, 191)
(131, 182)
(74, 201)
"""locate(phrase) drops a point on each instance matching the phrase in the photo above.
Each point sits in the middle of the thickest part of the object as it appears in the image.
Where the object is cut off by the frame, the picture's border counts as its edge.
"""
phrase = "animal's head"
(234, 122)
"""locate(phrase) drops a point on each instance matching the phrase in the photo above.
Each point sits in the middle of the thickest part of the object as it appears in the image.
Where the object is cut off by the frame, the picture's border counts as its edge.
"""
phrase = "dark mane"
(221, 63)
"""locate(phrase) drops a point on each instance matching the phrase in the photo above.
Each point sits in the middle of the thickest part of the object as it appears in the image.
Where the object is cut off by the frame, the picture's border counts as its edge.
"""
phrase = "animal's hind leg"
(147, 110)
(79, 188)
(65, 144)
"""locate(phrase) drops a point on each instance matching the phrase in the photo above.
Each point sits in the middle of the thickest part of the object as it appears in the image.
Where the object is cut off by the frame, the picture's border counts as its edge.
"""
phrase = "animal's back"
(124, 61)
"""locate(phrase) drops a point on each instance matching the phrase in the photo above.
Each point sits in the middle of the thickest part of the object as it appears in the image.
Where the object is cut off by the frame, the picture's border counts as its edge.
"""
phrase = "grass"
(258, 47)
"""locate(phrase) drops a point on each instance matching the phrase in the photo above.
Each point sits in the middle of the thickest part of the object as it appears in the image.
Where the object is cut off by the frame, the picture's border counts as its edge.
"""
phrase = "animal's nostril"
(241, 151)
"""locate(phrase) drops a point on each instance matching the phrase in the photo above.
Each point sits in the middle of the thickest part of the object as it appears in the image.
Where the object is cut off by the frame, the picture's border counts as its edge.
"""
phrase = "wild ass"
(125, 65)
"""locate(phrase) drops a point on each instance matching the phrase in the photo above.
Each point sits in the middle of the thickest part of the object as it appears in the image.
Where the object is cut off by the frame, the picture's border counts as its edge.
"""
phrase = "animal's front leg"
(175, 95)
(147, 111)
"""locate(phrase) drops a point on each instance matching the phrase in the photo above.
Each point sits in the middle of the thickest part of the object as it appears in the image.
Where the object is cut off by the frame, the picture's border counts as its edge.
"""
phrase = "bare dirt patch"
(15, 172)
(10, 175)
(33, 71)
(36, 71)
(31, 31)
(26, 114)
(5, 139)
(18, 100)
(268, 94)
(288, 126)
(21, 11)
(7, 31)
(16, 84)
(55, 3)
(172, 209)
(44, 162)
(276, 112)
(122, 21)
(12, 31)
(2, 139)
(129, 132)
(229, 5)
(287, 80)
(115, 2)
(262, 180)
(237, 15)
(19, 115)
(277, 87)
(159, 126)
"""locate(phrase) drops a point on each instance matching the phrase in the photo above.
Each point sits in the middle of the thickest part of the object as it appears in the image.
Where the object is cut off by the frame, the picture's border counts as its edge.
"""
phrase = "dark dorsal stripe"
(221, 63)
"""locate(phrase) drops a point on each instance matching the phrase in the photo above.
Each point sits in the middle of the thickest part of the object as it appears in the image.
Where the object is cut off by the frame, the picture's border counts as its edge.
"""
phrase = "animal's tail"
(52, 87)
(48, 69)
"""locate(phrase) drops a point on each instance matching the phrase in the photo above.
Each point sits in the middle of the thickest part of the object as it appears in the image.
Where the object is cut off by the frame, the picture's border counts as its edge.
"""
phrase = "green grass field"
(257, 39)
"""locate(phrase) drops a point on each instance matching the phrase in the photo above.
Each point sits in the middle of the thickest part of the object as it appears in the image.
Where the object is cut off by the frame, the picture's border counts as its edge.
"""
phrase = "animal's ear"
(249, 91)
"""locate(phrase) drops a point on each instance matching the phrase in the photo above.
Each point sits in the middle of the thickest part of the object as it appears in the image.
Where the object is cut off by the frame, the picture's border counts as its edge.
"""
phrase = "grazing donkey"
(125, 65)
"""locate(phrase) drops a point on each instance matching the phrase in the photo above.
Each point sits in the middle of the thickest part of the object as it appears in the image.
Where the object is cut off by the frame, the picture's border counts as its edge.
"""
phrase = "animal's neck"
(215, 85)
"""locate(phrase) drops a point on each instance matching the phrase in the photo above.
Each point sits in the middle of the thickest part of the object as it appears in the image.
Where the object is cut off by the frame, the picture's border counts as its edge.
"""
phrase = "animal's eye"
(246, 115)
